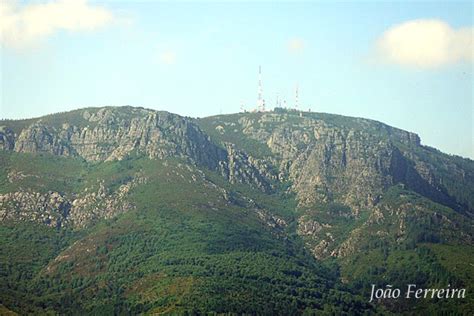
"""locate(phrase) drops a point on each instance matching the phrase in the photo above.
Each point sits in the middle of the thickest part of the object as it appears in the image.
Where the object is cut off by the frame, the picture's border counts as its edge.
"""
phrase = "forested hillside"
(123, 210)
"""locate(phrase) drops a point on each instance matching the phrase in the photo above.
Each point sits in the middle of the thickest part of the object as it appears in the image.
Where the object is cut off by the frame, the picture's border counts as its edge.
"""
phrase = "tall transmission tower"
(260, 100)
(296, 98)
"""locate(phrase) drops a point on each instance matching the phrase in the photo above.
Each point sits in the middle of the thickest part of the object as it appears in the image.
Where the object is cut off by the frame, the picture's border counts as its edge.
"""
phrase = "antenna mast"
(260, 100)
(296, 98)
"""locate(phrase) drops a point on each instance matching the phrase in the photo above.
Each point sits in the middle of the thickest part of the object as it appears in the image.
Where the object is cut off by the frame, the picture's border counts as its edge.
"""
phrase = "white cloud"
(426, 44)
(296, 45)
(167, 57)
(24, 25)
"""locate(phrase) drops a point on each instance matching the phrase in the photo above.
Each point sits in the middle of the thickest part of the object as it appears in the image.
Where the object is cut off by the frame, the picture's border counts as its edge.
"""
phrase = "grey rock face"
(326, 163)
(102, 204)
(51, 208)
(40, 138)
(333, 160)
(241, 168)
(350, 160)
(109, 134)
(309, 227)
(57, 210)
(7, 138)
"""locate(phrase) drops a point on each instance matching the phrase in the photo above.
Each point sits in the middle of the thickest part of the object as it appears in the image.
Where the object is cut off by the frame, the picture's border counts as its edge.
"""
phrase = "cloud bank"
(426, 44)
(24, 25)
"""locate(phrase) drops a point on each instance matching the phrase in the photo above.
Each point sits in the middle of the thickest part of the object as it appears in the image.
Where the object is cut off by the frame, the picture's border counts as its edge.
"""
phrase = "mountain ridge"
(326, 186)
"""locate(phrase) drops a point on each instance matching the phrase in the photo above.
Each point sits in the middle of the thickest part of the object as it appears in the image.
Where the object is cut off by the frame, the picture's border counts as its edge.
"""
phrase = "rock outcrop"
(7, 138)
(332, 161)
(58, 210)
(109, 134)
(113, 133)
(239, 167)
(51, 208)
(328, 158)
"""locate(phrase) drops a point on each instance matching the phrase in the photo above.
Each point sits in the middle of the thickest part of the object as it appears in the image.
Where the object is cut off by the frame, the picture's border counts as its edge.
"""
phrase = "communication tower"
(296, 98)
(260, 100)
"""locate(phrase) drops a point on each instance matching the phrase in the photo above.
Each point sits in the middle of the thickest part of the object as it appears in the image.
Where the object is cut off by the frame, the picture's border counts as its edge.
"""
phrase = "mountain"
(124, 210)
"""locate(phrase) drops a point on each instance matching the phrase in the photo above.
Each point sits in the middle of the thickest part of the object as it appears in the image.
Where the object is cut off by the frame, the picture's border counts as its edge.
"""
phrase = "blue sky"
(401, 63)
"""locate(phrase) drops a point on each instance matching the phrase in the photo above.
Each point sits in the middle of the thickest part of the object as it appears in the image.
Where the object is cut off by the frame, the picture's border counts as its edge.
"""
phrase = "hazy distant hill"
(121, 210)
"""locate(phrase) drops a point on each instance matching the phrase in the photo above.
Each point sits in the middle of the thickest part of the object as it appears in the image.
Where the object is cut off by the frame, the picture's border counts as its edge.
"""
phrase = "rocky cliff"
(113, 133)
(353, 161)
(321, 158)
(342, 168)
